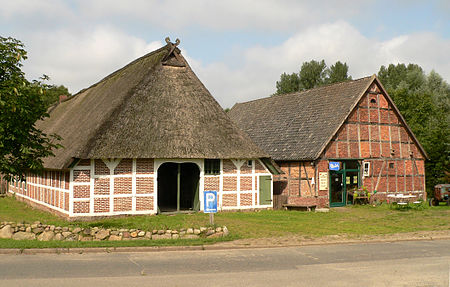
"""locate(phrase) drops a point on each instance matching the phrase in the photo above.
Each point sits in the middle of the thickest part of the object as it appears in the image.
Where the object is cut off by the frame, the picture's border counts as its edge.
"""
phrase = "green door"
(265, 194)
(337, 190)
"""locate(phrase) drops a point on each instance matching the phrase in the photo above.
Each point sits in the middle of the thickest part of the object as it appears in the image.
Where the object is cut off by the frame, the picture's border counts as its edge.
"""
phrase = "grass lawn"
(352, 220)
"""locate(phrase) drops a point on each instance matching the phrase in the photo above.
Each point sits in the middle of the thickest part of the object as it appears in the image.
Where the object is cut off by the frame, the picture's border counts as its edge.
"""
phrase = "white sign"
(323, 180)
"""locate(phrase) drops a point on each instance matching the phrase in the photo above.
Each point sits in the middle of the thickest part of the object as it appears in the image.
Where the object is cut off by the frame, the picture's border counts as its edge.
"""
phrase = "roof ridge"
(305, 91)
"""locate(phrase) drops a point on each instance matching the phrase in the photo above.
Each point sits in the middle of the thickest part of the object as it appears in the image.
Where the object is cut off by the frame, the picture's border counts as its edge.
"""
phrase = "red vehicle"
(441, 193)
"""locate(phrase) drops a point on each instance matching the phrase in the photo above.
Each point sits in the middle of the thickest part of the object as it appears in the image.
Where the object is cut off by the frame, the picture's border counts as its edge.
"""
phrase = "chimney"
(62, 98)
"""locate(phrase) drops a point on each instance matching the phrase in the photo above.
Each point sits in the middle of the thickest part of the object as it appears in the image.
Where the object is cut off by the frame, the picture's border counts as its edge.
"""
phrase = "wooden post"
(178, 186)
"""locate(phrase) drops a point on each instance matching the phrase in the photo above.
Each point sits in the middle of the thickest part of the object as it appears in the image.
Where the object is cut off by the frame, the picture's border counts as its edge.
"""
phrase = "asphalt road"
(409, 263)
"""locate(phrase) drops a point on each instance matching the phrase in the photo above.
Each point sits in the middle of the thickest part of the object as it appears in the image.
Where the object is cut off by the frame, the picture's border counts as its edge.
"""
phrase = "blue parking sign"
(210, 201)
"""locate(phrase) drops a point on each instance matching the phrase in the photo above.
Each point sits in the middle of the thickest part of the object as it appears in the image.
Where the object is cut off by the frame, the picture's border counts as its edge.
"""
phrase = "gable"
(374, 129)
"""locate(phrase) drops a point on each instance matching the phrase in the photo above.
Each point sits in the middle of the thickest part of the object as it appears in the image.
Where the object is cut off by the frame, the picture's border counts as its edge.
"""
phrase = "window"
(373, 101)
(212, 166)
(366, 171)
(249, 163)
(391, 165)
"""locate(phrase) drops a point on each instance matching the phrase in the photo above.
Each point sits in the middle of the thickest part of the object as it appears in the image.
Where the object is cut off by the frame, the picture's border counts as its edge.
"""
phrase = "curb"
(33, 251)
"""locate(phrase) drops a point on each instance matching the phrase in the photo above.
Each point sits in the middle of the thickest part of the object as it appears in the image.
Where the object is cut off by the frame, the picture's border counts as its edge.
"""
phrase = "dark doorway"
(342, 181)
(178, 185)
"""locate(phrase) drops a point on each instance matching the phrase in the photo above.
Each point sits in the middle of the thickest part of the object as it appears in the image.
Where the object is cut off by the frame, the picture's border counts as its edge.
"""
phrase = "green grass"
(354, 221)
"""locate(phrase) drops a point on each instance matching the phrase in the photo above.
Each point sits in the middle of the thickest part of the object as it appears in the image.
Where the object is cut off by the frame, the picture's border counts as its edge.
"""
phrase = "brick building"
(148, 138)
(333, 139)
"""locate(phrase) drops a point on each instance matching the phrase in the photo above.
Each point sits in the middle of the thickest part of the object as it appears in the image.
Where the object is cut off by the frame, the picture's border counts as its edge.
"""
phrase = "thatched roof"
(155, 107)
(299, 126)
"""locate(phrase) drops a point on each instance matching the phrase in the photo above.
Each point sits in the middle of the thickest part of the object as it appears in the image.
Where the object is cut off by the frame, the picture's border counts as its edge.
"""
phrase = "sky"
(238, 48)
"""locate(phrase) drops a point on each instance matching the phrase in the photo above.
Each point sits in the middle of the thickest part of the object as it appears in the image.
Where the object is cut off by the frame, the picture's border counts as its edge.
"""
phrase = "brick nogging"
(372, 133)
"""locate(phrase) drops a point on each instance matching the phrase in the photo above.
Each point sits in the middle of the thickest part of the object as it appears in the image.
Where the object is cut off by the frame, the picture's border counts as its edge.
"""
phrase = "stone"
(190, 236)
(71, 237)
(182, 232)
(175, 236)
(161, 236)
(87, 231)
(190, 231)
(210, 232)
(148, 235)
(85, 238)
(126, 234)
(154, 231)
(6, 232)
(46, 236)
(52, 228)
(37, 222)
(161, 231)
(202, 229)
(58, 237)
(115, 238)
(58, 228)
(141, 233)
(76, 230)
(33, 225)
(65, 229)
(24, 236)
(174, 232)
(218, 229)
(22, 228)
(225, 231)
(28, 229)
(322, 209)
(133, 234)
(197, 231)
(123, 230)
(38, 230)
(216, 235)
(66, 234)
(102, 234)
(168, 231)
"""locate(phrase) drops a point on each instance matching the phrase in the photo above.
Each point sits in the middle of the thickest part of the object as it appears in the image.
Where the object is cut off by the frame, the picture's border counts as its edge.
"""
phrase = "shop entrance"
(178, 187)
(343, 180)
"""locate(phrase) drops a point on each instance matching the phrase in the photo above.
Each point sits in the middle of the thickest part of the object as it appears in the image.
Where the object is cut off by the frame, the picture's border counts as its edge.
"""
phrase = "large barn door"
(178, 186)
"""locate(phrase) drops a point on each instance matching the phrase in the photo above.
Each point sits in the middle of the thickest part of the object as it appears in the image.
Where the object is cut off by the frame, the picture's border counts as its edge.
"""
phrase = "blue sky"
(237, 48)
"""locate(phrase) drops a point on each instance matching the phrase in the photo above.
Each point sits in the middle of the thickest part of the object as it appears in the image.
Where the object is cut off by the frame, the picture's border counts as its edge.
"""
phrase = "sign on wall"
(210, 201)
(334, 165)
(323, 180)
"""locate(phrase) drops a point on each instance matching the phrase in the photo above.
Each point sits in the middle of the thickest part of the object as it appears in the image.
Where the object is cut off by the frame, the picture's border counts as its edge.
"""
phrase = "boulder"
(197, 231)
(66, 234)
(102, 234)
(161, 236)
(76, 230)
(210, 232)
(190, 231)
(38, 230)
(46, 236)
(133, 234)
(24, 236)
(6, 232)
(190, 236)
(85, 238)
(115, 238)
(28, 229)
(87, 231)
(216, 235)
(141, 233)
(225, 231)
(58, 237)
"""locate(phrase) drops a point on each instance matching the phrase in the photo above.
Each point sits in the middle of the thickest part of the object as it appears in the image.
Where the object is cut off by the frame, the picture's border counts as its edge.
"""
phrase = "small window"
(212, 166)
(373, 101)
(366, 171)
(391, 165)
(249, 163)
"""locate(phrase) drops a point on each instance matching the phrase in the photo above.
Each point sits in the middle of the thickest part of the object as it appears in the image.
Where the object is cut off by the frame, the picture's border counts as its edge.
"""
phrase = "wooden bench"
(307, 207)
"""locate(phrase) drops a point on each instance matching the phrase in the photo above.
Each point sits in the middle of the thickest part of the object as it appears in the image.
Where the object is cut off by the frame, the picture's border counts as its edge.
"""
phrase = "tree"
(52, 93)
(22, 145)
(337, 73)
(288, 84)
(312, 74)
(423, 100)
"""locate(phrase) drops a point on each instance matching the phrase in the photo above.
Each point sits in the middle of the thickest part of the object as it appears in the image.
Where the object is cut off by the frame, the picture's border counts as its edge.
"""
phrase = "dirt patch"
(297, 240)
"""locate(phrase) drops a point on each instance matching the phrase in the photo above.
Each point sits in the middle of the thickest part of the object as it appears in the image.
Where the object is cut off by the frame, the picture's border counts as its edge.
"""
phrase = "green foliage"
(52, 93)
(288, 83)
(337, 73)
(22, 145)
(312, 74)
(424, 102)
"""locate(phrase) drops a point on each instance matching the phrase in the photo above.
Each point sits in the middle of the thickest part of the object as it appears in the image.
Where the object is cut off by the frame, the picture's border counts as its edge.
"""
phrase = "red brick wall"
(375, 133)
(228, 166)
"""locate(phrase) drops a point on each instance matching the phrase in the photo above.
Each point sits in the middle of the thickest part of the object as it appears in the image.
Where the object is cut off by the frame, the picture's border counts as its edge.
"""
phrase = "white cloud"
(261, 66)
(81, 58)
